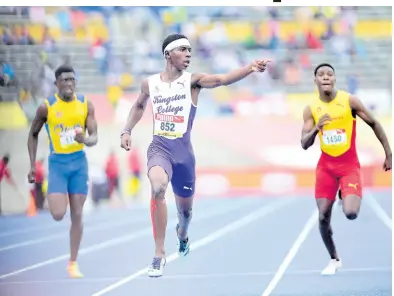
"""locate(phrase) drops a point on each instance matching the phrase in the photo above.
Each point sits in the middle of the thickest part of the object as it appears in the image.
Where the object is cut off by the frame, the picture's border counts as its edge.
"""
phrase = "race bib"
(67, 138)
(169, 125)
(334, 137)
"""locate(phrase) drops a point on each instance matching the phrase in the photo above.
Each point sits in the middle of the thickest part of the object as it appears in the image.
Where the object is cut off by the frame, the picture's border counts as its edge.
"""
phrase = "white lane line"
(100, 227)
(104, 225)
(237, 224)
(292, 253)
(200, 276)
(93, 218)
(120, 240)
(377, 208)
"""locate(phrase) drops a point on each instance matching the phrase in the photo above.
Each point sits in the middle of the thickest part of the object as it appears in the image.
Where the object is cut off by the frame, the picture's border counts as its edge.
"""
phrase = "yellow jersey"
(339, 135)
(62, 121)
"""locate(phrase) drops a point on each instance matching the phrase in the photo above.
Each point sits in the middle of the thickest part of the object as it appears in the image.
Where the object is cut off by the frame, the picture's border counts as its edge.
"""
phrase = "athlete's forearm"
(381, 135)
(308, 138)
(236, 75)
(135, 115)
(91, 140)
(32, 143)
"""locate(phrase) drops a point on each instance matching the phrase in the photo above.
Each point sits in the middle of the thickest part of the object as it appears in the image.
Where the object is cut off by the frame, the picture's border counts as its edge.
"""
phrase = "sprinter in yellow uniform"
(66, 116)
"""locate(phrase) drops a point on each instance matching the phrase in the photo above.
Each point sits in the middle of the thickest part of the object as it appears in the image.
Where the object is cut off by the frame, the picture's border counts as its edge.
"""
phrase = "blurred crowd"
(224, 38)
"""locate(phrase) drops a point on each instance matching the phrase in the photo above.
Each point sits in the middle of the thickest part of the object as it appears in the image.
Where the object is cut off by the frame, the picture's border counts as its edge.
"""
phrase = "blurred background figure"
(5, 173)
(113, 179)
(38, 188)
(113, 48)
(99, 186)
(134, 173)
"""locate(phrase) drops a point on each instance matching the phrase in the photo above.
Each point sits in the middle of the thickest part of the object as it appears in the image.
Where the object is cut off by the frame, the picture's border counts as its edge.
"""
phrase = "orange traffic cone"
(31, 210)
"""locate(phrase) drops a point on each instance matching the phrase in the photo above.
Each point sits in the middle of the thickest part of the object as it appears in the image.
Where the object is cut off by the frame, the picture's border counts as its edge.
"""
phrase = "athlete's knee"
(57, 203)
(324, 218)
(159, 182)
(186, 214)
(351, 206)
(58, 215)
(159, 188)
(351, 214)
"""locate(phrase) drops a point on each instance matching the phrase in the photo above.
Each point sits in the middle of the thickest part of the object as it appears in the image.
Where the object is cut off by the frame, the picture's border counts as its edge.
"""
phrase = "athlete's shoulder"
(315, 103)
(81, 98)
(307, 112)
(50, 101)
(343, 94)
(153, 77)
(151, 80)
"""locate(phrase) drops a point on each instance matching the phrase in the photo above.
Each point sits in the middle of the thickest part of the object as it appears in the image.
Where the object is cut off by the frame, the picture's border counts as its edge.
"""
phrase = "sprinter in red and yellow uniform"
(333, 117)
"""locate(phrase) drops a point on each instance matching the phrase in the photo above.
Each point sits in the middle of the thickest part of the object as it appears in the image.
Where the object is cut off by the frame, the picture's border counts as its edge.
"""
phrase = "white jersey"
(172, 104)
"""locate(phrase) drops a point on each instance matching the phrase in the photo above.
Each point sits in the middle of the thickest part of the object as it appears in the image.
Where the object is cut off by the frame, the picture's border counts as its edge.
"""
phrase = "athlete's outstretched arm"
(139, 106)
(368, 118)
(32, 142)
(309, 129)
(215, 80)
(91, 125)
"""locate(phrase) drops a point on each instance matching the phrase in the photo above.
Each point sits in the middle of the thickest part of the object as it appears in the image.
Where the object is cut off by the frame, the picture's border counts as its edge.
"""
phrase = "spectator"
(25, 38)
(5, 172)
(292, 73)
(112, 172)
(99, 53)
(7, 76)
(48, 41)
(37, 191)
(312, 41)
(352, 83)
(7, 37)
(135, 171)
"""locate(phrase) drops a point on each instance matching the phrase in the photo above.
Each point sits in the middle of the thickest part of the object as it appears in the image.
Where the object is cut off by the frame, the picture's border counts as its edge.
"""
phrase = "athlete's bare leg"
(325, 209)
(159, 182)
(76, 209)
(57, 203)
(351, 206)
(184, 206)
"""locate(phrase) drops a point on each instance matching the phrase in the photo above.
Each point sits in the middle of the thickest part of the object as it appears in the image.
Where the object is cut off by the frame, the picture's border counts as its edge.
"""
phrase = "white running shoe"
(332, 267)
(157, 266)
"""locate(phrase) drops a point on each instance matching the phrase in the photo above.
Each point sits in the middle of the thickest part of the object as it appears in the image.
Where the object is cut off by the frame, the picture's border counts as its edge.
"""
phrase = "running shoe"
(332, 267)
(157, 266)
(183, 245)
(73, 270)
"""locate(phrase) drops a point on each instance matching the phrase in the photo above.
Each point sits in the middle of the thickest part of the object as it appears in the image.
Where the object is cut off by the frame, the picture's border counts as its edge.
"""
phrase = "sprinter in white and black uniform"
(174, 96)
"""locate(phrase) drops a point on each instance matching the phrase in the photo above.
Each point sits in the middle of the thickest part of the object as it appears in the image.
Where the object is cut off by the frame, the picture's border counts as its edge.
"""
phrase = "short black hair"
(63, 69)
(171, 38)
(324, 65)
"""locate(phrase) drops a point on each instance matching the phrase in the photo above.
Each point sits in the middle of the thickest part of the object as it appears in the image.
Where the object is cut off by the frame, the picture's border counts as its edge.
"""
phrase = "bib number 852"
(167, 126)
